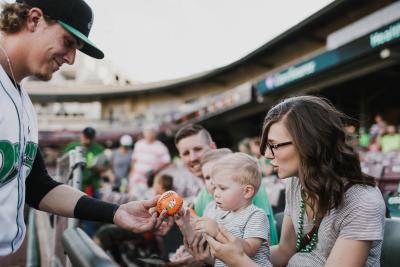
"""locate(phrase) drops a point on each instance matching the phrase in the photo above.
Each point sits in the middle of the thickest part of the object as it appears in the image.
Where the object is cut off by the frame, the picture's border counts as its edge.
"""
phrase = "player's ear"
(33, 19)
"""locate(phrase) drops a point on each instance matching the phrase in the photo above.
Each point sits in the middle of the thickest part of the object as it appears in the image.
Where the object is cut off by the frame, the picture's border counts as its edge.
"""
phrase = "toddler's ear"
(249, 191)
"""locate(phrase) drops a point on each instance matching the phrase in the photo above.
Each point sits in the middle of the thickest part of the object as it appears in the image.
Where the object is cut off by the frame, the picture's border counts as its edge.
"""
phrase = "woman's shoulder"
(364, 196)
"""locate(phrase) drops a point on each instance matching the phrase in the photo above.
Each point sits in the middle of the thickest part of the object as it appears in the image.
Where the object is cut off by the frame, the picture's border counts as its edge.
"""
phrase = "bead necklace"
(308, 242)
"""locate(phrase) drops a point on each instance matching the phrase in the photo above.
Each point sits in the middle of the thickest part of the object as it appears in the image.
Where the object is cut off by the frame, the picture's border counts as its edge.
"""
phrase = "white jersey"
(18, 147)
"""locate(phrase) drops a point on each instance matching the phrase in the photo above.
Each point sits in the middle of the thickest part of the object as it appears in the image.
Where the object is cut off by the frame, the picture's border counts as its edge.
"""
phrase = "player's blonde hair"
(244, 169)
(13, 17)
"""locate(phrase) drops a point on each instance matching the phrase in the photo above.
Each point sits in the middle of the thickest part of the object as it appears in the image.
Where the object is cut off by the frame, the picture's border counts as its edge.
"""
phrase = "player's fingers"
(149, 203)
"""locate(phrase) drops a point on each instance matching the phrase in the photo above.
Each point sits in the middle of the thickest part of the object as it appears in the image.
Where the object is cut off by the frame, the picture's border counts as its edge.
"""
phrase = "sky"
(155, 40)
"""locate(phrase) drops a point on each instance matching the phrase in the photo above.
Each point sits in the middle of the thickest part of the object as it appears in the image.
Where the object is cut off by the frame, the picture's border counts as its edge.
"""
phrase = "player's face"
(206, 171)
(191, 150)
(228, 194)
(52, 47)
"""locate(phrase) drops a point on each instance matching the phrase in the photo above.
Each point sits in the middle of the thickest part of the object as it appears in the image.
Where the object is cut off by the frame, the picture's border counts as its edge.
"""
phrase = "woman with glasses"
(334, 214)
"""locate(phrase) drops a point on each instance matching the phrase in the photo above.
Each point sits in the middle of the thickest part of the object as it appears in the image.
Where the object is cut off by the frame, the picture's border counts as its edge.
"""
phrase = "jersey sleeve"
(38, 183)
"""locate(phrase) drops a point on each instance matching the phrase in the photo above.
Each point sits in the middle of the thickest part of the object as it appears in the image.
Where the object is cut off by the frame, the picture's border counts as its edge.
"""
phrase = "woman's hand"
(199, 248)
(229, 249)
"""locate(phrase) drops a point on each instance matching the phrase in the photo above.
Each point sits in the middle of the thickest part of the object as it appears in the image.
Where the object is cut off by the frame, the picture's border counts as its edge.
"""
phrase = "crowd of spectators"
(142, 169)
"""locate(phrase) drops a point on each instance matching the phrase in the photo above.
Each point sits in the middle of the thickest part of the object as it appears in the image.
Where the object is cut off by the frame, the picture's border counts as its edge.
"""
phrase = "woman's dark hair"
(327, 162)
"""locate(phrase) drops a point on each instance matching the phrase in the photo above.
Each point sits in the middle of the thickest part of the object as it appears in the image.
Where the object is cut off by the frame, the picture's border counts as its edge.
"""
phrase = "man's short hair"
(243, 168)
(89, 132)
(190, 130)
(214, 155)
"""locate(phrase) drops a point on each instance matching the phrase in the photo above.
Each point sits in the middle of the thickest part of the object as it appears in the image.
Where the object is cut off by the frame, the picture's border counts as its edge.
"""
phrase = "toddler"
(236, 178)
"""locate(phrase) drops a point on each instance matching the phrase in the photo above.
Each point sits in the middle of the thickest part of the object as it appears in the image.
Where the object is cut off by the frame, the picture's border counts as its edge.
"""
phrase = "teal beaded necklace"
(308, 242)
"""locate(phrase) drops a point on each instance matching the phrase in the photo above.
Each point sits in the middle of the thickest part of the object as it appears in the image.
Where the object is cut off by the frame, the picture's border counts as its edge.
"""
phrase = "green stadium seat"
(391, 244)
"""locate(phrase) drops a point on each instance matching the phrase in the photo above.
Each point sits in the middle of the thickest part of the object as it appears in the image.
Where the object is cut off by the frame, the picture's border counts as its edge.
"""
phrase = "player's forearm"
(69, 202)
(61, 200)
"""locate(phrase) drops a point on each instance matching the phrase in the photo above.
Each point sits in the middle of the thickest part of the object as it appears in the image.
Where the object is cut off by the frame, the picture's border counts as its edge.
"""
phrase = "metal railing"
(57, 241)
(82, 251)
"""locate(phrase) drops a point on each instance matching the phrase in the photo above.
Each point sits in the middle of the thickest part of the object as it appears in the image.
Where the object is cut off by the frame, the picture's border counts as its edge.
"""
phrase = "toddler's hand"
(184, 220)
(206, 225)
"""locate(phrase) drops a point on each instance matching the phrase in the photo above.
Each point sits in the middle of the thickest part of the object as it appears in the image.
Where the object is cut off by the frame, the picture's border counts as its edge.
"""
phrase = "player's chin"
(44, 76)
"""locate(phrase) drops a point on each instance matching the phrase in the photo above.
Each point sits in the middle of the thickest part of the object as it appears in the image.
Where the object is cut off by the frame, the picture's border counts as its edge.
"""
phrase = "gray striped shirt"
(246, 223)
(361, 217)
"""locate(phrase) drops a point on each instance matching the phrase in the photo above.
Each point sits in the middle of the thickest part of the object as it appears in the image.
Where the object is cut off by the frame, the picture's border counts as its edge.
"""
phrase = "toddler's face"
(228, 194)
(206, 170)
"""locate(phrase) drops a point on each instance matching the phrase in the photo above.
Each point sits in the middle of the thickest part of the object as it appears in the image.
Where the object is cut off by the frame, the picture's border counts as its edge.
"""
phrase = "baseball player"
(38, 36)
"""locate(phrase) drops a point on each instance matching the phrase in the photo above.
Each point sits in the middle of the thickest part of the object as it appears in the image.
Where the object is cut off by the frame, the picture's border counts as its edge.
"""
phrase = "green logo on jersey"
(9, 155)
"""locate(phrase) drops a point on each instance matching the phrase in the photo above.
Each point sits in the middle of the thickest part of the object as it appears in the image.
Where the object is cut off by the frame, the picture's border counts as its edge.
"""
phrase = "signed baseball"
(169, 201)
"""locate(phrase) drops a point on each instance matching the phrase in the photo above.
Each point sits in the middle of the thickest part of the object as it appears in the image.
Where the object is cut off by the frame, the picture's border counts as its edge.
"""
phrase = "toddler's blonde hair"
(244, 169)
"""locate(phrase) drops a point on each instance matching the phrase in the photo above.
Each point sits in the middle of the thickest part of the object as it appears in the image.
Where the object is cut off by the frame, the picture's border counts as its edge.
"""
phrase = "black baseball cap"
(75, 16)
(89, 132)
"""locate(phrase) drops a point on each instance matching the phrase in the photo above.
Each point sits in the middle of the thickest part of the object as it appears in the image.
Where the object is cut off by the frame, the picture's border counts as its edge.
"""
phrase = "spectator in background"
(352, 138)
(244, 146)
(162, 183)
(364, 139)
(149, 157)
(121, 162)
(91, 178)
(378, 127)
(391, 140)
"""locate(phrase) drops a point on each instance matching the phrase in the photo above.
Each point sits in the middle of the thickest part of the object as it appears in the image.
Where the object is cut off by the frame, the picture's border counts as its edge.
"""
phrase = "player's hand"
(165, 226)
(139, 216)
(207, 226)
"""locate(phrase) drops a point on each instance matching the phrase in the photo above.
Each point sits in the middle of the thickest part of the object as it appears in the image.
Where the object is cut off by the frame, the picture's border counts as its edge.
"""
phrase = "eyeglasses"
(274, 147)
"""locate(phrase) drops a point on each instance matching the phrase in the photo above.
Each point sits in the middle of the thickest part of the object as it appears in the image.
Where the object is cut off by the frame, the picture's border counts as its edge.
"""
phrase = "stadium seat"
(390, 178)
(373, 169)
(391, 246)
(279, 220)
(391, 171)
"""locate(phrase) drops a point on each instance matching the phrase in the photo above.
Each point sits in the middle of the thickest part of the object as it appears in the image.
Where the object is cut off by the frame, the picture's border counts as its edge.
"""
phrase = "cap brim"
(88, 48)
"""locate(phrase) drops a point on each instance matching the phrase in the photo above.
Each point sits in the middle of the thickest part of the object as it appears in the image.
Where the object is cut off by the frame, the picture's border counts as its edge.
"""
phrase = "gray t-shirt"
(361, 217)
(120, 164)
(246, 223)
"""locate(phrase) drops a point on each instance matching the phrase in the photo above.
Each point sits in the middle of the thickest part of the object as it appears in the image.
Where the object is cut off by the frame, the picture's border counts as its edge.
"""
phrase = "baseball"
(169, 201)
